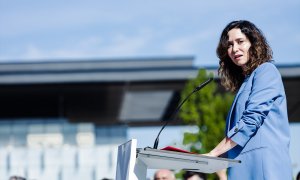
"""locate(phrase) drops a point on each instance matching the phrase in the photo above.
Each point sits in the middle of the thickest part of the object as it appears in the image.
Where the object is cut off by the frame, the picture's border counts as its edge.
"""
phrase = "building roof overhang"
(131, 91)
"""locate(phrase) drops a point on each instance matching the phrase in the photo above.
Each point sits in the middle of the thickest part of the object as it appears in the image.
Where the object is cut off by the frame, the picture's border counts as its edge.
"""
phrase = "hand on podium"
(209, 154)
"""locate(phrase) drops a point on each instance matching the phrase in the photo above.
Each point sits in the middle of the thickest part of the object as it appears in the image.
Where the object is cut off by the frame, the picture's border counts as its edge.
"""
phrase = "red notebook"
(171, 148)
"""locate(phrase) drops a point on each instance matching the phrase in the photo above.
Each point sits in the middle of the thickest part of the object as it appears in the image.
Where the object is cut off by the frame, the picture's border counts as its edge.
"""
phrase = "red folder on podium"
(171, 148)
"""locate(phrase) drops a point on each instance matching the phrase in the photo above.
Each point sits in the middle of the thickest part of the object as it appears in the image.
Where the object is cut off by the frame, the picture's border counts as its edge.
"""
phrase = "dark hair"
(189, 174)
(232, 75)
(298, 176)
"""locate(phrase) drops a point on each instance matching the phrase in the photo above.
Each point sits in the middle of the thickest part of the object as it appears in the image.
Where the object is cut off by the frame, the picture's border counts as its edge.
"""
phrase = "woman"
(257, 128)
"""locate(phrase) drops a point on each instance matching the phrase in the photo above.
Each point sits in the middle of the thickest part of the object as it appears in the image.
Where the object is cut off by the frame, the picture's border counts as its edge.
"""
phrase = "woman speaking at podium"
(257, 127)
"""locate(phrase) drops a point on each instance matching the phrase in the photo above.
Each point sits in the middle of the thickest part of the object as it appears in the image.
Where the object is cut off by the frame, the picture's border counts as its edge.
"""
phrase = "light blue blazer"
(258, 123)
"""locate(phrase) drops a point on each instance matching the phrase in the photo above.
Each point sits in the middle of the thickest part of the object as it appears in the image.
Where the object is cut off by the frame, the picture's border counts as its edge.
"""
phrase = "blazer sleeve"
(266, 88)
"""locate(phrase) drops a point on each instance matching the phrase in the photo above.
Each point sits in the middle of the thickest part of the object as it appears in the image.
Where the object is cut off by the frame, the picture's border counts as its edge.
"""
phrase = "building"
(64, 119)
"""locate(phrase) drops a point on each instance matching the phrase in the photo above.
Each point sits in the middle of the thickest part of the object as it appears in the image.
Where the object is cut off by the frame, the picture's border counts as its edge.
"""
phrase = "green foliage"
(207, 109)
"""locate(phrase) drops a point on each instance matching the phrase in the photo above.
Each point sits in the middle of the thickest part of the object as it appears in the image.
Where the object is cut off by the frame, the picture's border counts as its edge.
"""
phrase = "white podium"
(133, 163)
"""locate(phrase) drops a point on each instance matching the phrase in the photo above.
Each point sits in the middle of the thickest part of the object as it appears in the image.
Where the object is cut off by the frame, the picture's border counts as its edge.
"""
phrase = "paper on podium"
(166, 159)
(126, 161)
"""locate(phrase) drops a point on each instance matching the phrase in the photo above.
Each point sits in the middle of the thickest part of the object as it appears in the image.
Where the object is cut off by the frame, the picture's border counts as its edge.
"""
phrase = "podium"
(133, 162)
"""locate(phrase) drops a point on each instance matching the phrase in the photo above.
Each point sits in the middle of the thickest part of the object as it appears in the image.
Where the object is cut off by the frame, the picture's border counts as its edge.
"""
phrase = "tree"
(207, 109)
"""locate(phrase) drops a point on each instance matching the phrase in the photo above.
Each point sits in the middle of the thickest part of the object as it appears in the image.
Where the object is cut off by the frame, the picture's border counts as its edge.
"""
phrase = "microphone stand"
(178, 108)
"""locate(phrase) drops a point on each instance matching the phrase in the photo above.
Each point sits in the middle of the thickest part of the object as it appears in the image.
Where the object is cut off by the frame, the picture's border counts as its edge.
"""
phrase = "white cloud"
(124, 46)
(188, 44)
(297, 38)
(22, 20)
(32, 52)
(91, 47)
(106, 29)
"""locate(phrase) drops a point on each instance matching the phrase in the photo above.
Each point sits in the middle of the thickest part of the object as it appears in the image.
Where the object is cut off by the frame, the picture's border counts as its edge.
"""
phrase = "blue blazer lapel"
(228, 120)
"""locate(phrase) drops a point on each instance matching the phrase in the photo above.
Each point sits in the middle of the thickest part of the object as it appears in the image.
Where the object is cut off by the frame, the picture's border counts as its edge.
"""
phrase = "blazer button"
(236, 129)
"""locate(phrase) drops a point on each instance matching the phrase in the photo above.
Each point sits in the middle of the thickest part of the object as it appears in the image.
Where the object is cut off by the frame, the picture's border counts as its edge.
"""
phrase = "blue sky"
(97, 29)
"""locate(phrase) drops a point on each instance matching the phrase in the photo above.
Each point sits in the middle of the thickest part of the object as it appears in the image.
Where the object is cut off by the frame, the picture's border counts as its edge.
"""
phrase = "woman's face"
(238, 47)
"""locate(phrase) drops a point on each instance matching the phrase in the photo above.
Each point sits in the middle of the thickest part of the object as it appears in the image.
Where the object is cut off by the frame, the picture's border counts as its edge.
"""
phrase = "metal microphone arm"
(178, 108)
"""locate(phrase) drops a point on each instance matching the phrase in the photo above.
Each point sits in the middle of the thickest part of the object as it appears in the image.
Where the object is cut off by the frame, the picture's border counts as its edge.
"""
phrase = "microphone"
(178, 108)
